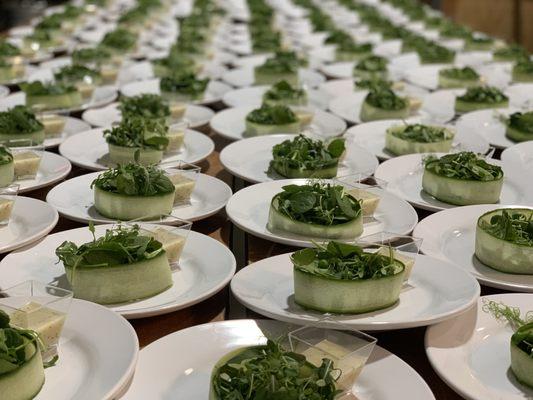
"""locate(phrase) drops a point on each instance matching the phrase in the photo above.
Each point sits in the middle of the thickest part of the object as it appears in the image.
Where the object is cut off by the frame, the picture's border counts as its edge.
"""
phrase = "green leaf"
(336, 148)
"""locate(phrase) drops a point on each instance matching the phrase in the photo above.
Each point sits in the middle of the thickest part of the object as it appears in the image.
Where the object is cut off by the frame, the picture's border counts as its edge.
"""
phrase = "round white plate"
(197, 116)
(403, 175)
(520, 95)
(249, 207)
(214, 92)
(250, 158)
(188, 376)
(243, 77)
(487, 123)
(102, 95)
(52, 169)
(519, 158)
(72, 126)
(253, 95)
(206, 266)
(4, 91)
(349, 106)
(74, 199)
(85, 370)
(89, 149)
(31, 219)
(437, 290)
(371, 136)
(471, 352)
(231, 124)
(450, 235)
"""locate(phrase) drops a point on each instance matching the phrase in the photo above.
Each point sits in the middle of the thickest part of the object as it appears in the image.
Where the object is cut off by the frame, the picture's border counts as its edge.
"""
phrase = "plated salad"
(462, 178)
(319, 210)
(480, 98)
(513, 52)
(450, 78)
(519, 126)
(85, 79)
(373, 67)
(384, 104)
(283, 66)
(183, 88)
(523, 71)
(150, 106)
(283, 93)
(20, 123)
(521, 343)
(145, 137)
(121, 266)
(303, 157)
(271, 119)
(49, 96)
(418, 138)
(11, 71)
(343, 278)
(119, 41)
(504, 240)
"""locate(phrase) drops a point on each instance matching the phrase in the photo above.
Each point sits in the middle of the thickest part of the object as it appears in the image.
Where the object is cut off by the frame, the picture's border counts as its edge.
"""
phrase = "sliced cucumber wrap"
(124, 155)
(522, 366)
(279, 221)
(399, 146)
(363, 74)
(346, 296)
(295, 173)
(125, 208)
(180, 97)
(517, 135)
(9, 73)
(451, 83)
(465, 106)
(500, 254)
(25, 382)
(461, 192)
(220, 363)
(287, 102)
(255, 129)
(521, 77)
(371, 113)
(342, 56)
(266, 78)
(36, 137)
(121, 283)
(7, 174)
(48, 102)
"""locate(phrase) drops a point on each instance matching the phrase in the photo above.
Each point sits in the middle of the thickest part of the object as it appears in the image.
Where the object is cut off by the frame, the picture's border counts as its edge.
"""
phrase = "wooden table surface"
(407, 344)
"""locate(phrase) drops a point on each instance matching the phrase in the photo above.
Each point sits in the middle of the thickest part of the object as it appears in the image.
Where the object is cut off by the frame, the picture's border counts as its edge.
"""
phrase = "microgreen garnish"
(5, 155)
(420, 133)
(138, 132)
(185, 84)
(76, 73)
(90, 55)
(465, 73)
(119, 39)
(281, 62)
(8, 50)
(511, 225)
(521, 121)
(483, 94)
(465, 166)
(372, 64)
(39, 88)
(272, 115)
(145, 106)
(19, 119)
(373, 84)
(513, 52)
(283, 91)
(385, 99)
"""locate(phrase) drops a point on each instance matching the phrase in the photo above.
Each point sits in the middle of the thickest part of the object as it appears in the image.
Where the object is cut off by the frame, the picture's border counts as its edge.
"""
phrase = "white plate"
(31, 219)
(253, 95)
(72, 126)
(242, 77)
(249, 207)
(471, 352)
(85, 371)
(231, 124)
(519, 158)
(520, 95)
(74, 199)
(404, 177)
(52, 169)
(102, 95)
(197, 116)
(450, 235)
(214, 92)
(349, 106)
(188, 376)
(437, 290)
(4, 91)
(89, 149)
(486, 123)
(206, 266)
(371, 136)
(250, 158)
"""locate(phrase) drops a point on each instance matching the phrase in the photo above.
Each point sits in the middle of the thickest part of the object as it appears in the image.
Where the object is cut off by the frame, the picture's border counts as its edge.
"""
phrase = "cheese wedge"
(53, 124)
(6, 207)
(26, 164)
(369, 200)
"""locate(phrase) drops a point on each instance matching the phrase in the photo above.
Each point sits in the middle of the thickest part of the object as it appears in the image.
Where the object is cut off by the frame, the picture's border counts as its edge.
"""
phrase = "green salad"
(89, 55)
(523, 71)
(373, 84)
(386, 99)
(119, 40)
(138, 133)
(421, 133)
(284, 93)
(8, 50)
(481, 97)
(272, 115)
(464, 166)
(282, 62)
(269, 372)
(38, 88)
(432, 53)
(185, 84)
(372, 64)
(519, 126)
(513, 52)
(19, 120)
(151, 106)
(303, 157)
(512, 226)
(77, 73)
(465, 73)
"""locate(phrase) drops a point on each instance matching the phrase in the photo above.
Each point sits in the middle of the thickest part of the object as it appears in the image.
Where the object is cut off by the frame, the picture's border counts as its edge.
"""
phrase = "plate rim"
(60, 177)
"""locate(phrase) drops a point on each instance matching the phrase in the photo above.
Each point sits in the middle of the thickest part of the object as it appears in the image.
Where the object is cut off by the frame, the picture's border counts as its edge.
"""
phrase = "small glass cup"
(8, 197)
(367, 189)
(27, 155)
(176, 136)
(173, 235)
(348, 349)
(184, 176)
(40, 307)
